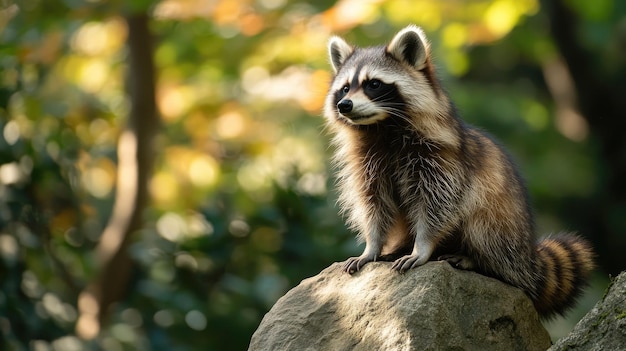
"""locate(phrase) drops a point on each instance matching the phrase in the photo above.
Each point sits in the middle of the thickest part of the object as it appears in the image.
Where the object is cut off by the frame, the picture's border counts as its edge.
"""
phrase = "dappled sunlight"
(171, 226)
(241, 197)
(430, 15)
(175, 101)
(454, 35)
(87, 325)
(284, 86)
(233, 16)
(54, 307)
(183, 168)
(318, 83)
(195, 262)
(183, 9)
(456, 62)
(92, 75)
(361, 289)
(349, 13)
(276, 71)
(98, 177)
(11, 132)
(20, 126)
(188, 163)
(231, 124)
(197, 126)
(196, 320)
(178, 228)
(291, 157)
(9, 251)
(99, 38)
(228, 12)
(164, 188)
(203, 171)
(11, 173)
(503, 15)
(95, 46)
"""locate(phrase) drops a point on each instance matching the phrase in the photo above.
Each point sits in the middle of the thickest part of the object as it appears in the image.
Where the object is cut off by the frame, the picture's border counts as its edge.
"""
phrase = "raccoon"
(417, 183)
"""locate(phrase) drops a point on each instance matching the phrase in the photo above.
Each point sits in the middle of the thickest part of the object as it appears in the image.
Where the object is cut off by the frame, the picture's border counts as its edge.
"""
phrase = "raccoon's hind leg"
(392, 256)
(459, 261)
(452, 250)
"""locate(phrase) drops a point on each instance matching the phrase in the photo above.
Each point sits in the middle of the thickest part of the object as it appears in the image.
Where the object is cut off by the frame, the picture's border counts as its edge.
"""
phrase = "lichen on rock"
(604, 327)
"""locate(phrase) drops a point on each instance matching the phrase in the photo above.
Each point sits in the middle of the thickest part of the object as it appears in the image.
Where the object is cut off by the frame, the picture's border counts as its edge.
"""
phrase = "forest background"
(164, 169)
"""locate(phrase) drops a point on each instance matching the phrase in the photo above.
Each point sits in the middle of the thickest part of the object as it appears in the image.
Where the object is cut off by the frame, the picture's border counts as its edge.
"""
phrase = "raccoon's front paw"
(354, 264)
(458, 261)
(407, 262)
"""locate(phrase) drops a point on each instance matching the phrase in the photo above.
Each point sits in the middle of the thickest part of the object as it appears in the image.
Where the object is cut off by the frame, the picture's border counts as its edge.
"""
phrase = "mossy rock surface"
(604, 327)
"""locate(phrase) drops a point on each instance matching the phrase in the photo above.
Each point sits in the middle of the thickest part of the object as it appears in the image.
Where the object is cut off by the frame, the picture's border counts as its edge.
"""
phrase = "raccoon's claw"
(354, 264)
(407, 262)
(458, 261)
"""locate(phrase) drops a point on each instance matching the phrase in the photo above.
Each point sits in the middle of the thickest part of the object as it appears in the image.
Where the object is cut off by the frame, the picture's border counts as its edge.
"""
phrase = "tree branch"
(135, 160)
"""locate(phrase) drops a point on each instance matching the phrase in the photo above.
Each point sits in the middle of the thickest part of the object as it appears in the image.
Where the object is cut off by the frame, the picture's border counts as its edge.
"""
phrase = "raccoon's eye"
(345, 89)
(374, 84)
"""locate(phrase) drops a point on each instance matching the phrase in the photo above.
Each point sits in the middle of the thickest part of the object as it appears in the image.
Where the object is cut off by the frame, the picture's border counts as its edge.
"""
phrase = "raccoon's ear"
(339, 51)
(411, 46)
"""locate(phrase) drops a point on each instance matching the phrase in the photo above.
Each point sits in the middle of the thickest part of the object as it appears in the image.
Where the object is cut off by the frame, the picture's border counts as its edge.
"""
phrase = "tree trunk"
(602, 101)
(135, 160)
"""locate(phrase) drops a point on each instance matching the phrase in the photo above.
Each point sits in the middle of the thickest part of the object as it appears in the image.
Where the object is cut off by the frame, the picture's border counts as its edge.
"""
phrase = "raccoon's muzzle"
(345, 106)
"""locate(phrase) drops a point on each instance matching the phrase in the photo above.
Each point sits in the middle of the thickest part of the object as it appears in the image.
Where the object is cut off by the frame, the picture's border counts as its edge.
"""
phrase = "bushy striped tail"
(566, 262)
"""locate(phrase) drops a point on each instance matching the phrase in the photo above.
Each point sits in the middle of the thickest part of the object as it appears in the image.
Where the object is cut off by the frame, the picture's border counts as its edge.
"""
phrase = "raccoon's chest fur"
(406, 173)
(416, 182)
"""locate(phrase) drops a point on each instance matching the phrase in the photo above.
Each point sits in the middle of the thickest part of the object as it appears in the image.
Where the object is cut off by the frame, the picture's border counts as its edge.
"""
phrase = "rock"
(433, 307)
(604, 327)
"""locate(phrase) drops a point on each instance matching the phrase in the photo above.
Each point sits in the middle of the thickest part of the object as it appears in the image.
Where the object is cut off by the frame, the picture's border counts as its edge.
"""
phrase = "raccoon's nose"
(345, 106)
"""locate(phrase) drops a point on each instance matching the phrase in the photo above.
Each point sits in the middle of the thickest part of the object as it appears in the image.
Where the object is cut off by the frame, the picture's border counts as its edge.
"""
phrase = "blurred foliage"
(243, 206)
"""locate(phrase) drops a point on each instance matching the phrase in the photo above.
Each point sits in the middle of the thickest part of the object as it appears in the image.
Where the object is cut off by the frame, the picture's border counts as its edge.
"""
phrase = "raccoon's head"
(376, 83)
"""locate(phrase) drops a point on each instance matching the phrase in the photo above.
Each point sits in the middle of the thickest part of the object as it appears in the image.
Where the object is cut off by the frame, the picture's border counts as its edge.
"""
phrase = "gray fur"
(416, 181)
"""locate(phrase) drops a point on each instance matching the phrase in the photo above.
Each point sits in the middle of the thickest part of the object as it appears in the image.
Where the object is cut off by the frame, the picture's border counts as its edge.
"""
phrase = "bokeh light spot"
(195, 320)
